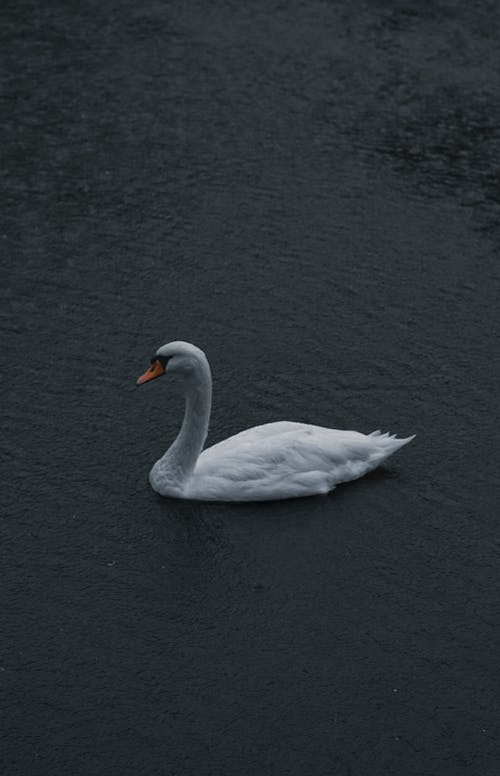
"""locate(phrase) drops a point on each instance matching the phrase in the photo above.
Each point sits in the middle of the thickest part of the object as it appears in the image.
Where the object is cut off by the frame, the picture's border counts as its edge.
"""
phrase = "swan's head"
(180, 358)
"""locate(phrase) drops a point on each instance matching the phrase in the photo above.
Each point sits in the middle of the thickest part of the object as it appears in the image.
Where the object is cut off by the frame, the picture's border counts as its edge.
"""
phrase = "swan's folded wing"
(280, 449)
(281, 460)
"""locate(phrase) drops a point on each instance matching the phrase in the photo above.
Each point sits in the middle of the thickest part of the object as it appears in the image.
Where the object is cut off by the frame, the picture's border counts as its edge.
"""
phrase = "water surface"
(309, 192)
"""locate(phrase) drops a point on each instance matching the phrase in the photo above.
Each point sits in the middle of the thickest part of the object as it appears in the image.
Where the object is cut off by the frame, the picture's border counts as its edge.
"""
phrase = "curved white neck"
(180, 458)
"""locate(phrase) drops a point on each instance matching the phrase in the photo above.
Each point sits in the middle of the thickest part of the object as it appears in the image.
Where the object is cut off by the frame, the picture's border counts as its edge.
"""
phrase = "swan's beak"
(155, 370)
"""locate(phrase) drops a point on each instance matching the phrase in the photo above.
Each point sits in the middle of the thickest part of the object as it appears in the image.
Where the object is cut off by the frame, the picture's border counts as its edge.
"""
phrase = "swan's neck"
(179, 461)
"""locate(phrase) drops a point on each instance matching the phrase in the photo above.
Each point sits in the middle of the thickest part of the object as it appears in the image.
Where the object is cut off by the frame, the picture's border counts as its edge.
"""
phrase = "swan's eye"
(162, 359)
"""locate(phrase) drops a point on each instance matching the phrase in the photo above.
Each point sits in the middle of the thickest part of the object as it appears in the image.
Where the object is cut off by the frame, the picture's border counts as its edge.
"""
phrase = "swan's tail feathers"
(387, 444)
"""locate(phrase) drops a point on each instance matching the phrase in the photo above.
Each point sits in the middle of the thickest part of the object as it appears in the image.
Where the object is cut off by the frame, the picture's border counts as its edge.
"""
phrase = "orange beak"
(155, 370)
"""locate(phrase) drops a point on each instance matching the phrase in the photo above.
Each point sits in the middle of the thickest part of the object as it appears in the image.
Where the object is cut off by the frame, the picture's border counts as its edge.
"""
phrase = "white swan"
(273, 461)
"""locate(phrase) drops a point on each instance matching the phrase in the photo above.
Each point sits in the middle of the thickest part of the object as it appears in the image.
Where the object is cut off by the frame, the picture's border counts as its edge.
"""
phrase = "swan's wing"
(257, 441)
(281, 449)
(281, 460)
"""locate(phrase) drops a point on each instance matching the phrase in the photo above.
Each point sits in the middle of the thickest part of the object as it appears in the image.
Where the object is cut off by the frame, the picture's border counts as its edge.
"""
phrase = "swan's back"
(286, 459)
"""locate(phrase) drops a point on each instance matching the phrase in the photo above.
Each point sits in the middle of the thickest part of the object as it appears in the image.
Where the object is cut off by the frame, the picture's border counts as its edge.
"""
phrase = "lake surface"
(310, 193)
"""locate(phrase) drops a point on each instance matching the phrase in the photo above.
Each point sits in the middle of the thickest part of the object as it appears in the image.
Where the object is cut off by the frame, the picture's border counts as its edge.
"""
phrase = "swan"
(274, 461)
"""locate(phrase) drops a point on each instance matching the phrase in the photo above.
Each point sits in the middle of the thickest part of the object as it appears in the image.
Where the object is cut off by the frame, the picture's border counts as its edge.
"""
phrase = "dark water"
(310, 193)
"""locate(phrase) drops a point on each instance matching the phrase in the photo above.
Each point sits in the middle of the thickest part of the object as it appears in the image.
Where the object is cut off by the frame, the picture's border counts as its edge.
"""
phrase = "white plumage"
(274, 461)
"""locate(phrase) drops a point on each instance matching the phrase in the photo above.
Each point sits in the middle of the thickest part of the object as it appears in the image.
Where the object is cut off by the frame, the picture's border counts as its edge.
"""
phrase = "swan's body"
(273, 461)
